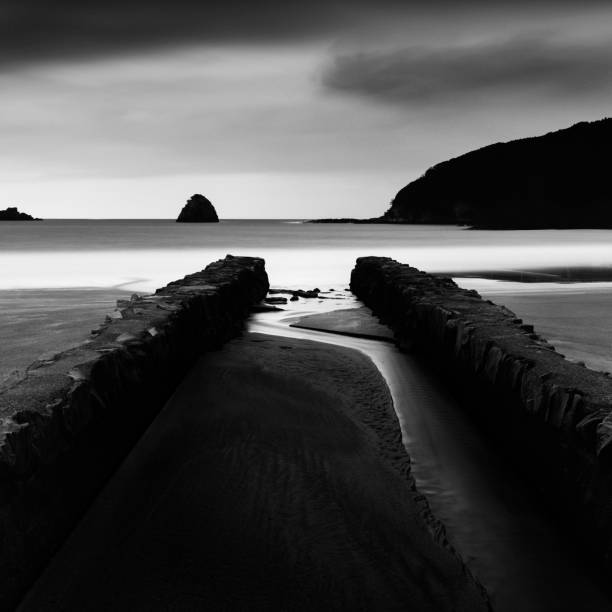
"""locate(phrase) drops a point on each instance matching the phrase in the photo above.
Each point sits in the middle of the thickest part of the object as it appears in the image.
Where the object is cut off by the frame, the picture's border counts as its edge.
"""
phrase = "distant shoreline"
(506, 228)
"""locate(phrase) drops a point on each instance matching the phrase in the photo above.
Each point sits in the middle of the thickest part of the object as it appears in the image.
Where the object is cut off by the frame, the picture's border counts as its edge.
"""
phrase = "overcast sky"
(275, 108)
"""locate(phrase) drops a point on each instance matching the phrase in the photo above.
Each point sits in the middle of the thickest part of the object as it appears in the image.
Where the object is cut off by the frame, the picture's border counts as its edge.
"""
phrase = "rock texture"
(558, 180)
(67, 425)
(198, 210)
(298, 293)
(554, 416)
(13, 214)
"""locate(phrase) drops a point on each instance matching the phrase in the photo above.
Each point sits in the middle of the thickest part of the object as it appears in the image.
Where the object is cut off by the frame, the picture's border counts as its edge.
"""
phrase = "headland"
(557, 180)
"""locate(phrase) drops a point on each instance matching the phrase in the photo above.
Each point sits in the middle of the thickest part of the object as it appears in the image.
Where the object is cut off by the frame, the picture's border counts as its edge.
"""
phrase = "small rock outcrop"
(198, 210)
(275, 300)
(298, 293)
(13, 214)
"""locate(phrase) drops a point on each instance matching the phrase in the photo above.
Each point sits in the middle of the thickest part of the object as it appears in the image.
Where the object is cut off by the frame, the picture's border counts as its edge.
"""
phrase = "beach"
(575, 317)
(38, 323)
(47, 315)
(274, 478)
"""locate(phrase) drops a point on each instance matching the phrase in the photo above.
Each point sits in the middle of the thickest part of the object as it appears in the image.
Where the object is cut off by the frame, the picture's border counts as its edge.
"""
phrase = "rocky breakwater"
(553, 416)
(67, 425)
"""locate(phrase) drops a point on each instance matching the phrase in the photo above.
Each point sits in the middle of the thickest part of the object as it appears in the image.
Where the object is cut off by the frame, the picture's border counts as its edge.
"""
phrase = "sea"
(141, 255)
(58, 277)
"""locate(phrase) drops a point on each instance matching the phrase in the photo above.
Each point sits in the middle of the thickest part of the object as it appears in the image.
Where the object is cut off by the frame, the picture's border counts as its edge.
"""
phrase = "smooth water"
(142, 255)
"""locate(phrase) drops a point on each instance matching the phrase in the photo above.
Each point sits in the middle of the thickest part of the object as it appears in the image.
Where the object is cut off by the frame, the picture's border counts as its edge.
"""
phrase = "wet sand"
(357, 322)
(37, 323)
(575, 318)
(565, 274)
(274, 479)
(491, 515)
(579, 325)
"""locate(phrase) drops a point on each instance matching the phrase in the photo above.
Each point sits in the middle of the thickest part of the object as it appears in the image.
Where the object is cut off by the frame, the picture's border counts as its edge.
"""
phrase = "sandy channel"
(274, 479)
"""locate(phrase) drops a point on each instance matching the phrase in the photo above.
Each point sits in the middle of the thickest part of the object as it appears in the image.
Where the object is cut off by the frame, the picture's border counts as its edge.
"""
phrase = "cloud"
(39, 30)
(420, 75)
(230, 110)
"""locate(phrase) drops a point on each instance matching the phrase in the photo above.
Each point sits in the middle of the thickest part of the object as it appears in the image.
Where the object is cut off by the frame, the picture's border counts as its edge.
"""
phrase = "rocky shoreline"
(68, 423)
(525, 394)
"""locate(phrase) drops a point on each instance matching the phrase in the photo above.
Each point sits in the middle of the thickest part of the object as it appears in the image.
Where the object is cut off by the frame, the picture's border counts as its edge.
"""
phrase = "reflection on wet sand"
(488, 511)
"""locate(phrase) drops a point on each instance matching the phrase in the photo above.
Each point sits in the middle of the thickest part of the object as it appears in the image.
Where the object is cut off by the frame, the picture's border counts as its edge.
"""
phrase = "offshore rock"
(13, 214)
(198, 210)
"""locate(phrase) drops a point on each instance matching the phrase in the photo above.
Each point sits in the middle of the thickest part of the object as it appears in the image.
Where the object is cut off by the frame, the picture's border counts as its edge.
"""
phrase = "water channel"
(489, 512)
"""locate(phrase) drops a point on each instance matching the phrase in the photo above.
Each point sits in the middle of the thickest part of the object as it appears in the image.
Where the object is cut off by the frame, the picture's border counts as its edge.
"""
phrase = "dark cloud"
(416, 76)
(35, 30)
(38, 30)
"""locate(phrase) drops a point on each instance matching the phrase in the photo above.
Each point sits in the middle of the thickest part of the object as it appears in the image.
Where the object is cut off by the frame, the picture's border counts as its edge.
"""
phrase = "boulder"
(198, 210)
(309, 293)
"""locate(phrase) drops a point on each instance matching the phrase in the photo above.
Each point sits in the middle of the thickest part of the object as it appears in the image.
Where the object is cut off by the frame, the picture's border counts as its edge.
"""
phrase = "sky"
(277, 109)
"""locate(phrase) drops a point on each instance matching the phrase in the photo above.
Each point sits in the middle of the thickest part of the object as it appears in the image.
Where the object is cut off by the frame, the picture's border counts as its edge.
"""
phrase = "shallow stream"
(489, 513)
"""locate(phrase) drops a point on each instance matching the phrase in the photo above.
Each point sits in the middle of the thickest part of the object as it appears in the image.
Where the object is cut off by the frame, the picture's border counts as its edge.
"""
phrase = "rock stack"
(198, 210)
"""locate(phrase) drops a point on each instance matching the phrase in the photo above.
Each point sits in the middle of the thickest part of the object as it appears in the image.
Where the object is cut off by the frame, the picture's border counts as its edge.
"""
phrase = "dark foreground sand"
(274, 479)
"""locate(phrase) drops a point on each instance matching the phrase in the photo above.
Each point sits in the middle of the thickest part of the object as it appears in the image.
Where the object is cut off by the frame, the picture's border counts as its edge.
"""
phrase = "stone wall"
(67, 425)
(553, 416)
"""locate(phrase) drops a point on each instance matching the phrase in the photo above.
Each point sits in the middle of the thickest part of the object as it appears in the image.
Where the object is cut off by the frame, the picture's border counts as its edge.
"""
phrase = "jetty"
(65, 427)
(553, 417)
